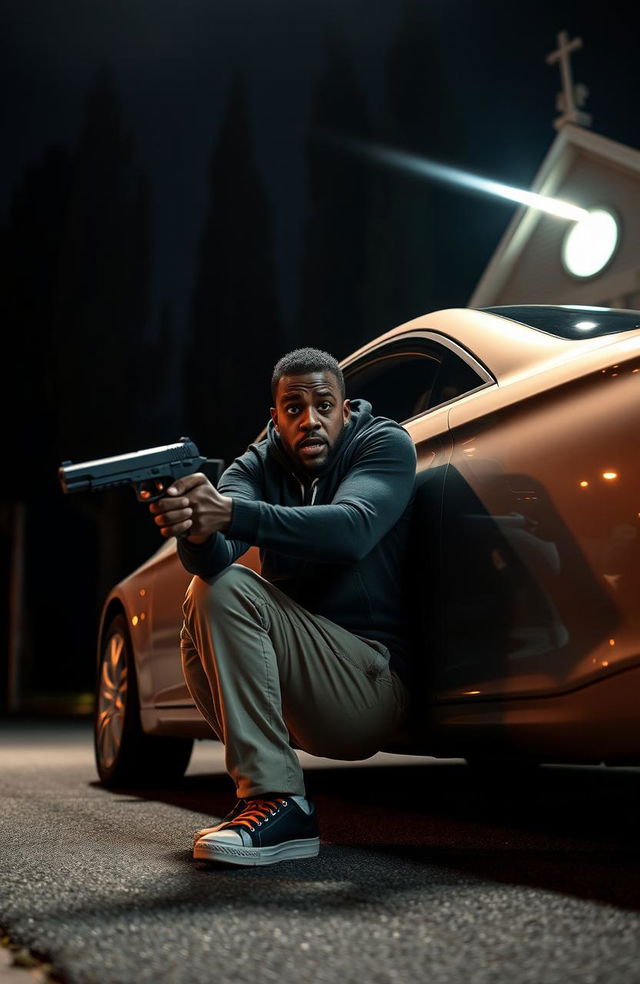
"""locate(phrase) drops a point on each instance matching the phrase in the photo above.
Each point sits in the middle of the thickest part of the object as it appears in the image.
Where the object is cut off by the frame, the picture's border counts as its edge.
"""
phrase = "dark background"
(171, 222)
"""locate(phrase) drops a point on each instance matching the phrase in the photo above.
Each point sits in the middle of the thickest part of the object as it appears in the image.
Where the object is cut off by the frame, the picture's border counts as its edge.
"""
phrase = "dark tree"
(235, 335)
(161, 418)
(99, 380)
(333, 303)
(31, 245)
(100, 383)
(421, 119)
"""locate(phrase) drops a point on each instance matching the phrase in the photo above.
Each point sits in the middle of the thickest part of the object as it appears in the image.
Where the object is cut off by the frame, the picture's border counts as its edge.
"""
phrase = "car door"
(536, 537)
(415, 379)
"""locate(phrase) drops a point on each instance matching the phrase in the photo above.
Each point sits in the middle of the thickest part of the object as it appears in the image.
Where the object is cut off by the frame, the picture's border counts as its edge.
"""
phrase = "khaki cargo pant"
(266, 674)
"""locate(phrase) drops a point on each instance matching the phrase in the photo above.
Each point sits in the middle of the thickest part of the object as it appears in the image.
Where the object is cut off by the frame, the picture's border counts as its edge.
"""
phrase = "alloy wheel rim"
(112, 700)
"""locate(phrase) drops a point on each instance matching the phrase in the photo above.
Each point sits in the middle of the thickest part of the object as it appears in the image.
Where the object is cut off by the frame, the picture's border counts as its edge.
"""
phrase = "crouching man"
(312, 653)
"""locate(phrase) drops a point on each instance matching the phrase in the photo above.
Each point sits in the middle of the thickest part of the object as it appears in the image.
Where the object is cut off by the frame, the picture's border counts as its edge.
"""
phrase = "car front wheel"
(125, 755)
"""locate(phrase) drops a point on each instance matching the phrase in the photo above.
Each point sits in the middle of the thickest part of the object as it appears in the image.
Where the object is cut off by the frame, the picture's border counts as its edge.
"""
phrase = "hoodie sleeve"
(242, 481)
(368, 502)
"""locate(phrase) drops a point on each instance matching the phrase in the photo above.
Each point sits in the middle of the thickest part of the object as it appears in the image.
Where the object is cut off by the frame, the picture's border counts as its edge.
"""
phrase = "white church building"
(542, 259)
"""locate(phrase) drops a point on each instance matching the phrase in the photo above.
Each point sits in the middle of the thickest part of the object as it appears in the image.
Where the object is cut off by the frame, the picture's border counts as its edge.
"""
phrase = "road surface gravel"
(426, 873)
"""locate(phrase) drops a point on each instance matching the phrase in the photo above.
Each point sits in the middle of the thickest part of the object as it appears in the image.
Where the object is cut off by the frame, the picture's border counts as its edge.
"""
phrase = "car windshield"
(570, 321)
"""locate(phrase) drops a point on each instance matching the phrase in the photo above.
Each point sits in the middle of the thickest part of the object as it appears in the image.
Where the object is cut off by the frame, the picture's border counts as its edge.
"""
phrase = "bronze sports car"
(525, 561)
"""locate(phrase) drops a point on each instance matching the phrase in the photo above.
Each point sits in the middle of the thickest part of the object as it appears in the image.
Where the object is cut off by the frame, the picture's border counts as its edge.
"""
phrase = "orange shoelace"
(255, 813)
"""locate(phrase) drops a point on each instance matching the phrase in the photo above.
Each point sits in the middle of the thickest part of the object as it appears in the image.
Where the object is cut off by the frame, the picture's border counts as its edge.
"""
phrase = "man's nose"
(309, 420)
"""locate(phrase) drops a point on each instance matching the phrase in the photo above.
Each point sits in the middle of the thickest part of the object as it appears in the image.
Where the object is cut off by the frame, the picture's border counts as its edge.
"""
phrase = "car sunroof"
(569, 321)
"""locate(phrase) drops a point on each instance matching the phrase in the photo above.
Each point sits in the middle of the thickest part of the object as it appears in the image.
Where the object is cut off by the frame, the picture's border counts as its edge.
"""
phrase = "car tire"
(125, 755)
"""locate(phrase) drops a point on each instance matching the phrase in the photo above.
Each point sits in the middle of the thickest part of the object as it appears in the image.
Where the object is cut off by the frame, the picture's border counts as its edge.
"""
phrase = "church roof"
(572, 141)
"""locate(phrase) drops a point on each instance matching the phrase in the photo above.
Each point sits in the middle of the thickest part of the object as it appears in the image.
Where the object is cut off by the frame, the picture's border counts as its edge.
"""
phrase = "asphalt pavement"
(427, 872)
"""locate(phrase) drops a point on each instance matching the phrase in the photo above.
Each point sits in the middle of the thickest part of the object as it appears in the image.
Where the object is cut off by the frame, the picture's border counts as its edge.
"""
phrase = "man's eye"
(292, 409)
(325, 406)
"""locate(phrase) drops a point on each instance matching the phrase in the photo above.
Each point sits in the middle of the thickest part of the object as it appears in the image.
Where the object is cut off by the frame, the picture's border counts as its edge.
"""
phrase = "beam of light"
(452, 175)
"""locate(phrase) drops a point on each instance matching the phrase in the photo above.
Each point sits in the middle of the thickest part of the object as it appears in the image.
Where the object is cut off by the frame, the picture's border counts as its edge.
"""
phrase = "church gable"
(539, 276)
(592, 172)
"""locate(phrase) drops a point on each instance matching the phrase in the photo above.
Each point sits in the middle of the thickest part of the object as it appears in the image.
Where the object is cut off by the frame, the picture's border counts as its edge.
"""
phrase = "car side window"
(401, 383)
(397, 385)
(455, 379)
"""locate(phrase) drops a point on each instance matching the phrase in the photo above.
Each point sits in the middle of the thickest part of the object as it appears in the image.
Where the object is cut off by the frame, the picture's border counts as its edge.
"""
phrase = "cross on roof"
(572, 96)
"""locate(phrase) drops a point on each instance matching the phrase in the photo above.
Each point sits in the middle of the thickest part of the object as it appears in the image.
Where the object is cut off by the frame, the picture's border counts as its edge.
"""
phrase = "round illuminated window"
(590, 243)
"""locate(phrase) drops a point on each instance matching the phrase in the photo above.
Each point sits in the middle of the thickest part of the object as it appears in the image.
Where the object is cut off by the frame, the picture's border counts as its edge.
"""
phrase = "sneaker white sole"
(232, 854)
(201, 833)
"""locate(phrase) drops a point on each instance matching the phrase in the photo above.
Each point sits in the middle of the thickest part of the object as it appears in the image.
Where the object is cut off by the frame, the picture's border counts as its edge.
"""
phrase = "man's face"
(309, 416)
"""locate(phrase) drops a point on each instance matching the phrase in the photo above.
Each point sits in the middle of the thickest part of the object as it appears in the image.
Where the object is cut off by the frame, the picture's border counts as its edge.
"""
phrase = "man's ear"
(274, 417)
(346, 410)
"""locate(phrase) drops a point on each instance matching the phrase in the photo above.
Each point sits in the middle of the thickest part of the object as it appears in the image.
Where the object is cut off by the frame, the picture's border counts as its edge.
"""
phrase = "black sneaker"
(262, 832)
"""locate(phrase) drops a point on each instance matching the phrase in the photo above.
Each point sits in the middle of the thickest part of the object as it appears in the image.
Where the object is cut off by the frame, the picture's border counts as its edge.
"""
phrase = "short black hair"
(303, 360)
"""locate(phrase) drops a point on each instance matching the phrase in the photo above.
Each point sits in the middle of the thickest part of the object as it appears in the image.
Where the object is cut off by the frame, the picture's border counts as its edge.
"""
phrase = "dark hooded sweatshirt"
(336, 544)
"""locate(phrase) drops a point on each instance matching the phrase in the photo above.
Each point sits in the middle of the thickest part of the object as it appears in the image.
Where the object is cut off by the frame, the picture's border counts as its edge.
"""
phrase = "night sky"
(173, 64)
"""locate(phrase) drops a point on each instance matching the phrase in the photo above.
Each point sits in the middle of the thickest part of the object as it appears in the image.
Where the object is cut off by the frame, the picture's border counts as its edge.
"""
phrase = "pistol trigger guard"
(149, 491)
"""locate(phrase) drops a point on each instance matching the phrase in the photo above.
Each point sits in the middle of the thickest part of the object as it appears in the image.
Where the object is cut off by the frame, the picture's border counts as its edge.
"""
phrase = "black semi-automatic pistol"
(150, 472)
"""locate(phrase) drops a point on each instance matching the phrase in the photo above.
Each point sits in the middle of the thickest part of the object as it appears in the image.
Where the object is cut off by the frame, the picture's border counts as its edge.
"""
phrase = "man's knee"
(217, 593)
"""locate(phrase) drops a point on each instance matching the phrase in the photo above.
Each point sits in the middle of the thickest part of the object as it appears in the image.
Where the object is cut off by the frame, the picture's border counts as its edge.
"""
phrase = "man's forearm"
(209, 558)
(335, 533)
(197, 538)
